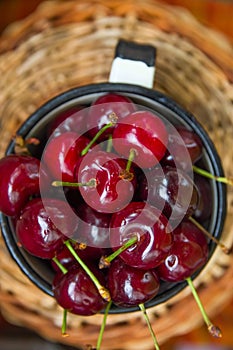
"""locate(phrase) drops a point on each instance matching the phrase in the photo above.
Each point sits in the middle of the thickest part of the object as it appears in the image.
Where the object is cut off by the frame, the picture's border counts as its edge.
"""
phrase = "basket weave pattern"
(71, 43)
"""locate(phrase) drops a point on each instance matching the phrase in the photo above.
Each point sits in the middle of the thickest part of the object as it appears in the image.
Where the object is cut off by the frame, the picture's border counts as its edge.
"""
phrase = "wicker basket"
(71, 43)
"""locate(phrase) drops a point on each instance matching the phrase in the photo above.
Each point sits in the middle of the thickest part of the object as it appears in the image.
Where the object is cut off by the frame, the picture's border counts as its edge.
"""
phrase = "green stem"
(64, 320)
(61, 267)
(105, 261)
(109, 144)
(64, 323)
(143, 309)
(101, 289)
(221, 245)
(130, 159)
(90, 183)
(98, 134)
(213, 330)
(99, 341)
(205, 173)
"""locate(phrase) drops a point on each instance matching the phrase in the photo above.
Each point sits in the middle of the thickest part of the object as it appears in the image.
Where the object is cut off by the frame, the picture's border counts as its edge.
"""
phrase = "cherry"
(130, 286)
(62, 153)
(175, 156)
(102, 108)
(153, 232)
(188, 253)
(192, 142)
(93, 226)
(43, 226)
(204, 207)
(72, 119)
(171, 190)
(75, 291)
(143, 132)
(63, 257)
(19, 180)
(114, 183)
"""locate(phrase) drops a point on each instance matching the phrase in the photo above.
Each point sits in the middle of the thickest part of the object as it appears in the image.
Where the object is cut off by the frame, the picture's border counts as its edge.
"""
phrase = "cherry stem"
(61, 267)
(213, 330)
(143, 309)
(103, 325)
(105, 261)
(64, 320)
(205, 173)
(221, 245)
(109, 144)
(130, 159)
(90, 183)
(101, 289)
(64, 323)
(113, 119)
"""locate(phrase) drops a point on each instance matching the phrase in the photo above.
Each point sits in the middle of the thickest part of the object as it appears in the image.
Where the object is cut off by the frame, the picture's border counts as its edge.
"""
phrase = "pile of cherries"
(113, 203)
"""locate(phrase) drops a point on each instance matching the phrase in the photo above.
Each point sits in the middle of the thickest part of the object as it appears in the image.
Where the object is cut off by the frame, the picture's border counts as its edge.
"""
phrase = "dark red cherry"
(65, 258)
(19, 180)
(114, 186)
(72, 119)
(93, 226)
(188, 253)
(43, 226)
(175, 155)
(192, 142)
(75, 292)
(152, 230)
(62, 153)
(143, 132)
(171, 190)
(87, 254)
(101, 109)
(130, 286)
(204, 208)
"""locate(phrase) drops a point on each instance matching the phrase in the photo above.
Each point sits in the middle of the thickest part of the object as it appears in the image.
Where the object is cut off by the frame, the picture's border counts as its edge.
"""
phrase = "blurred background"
(217, 15)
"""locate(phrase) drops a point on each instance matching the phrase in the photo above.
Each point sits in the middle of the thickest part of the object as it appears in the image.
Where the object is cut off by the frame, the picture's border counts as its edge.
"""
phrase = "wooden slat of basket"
(67, 44)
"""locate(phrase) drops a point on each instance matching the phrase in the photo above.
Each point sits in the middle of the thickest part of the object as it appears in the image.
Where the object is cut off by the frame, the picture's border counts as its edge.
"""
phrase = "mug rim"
(151, 94)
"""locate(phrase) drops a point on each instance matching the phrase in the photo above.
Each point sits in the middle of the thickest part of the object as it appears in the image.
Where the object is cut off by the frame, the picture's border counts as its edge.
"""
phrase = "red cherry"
(101, 109)
(93, 226)
(87, 254)
(43, 226)
(171, 190)
(175, 155)
(204, 208)
(130, 286)
(188, 253)
(150, 227)
(192, 142)
(62, 153)
(75, 291)
(143, 132)
(19, 180)
(65, 258)
(73, 119)
(114, 185)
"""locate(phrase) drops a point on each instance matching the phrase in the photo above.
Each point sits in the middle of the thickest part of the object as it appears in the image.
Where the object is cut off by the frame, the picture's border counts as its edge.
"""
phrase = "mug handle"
(133, 63)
